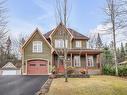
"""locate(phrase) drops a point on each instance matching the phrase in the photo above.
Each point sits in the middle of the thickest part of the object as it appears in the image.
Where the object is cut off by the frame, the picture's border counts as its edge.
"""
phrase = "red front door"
(61, 67)
(37, 67)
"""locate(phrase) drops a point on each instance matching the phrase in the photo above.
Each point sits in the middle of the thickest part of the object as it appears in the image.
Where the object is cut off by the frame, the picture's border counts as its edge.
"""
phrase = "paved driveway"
(21, 85)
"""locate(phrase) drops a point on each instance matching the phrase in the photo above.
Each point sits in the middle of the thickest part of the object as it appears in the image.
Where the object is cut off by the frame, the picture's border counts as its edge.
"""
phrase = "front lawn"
(96, 85)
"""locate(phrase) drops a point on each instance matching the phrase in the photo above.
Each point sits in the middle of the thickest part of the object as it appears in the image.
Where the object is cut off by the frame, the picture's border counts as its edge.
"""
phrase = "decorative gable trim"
(31, 37)
(61, 24)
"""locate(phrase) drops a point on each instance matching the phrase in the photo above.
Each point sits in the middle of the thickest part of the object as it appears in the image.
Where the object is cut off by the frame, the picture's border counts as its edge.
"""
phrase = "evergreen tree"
(99, 43)
(118, 55)
(126, 49)
(122, 53)
(107, 55)
(8, 48)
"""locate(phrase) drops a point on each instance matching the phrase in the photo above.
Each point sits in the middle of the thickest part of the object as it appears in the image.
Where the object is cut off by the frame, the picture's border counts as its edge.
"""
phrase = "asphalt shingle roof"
(75, 34)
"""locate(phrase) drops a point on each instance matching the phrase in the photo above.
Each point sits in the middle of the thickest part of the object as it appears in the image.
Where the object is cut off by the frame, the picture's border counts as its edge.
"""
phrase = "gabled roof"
(33, 34)
(75, 34)
(9, 66)
(60, 25)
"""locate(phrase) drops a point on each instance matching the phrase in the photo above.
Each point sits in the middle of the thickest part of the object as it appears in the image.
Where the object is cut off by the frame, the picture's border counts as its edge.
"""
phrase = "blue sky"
(26, 15)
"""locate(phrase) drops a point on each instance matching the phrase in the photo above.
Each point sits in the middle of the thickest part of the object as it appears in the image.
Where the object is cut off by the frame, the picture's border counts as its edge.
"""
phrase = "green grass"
(96, 85)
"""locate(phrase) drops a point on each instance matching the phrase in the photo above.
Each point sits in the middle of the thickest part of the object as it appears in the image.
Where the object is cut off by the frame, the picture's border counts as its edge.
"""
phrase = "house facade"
(42, 52)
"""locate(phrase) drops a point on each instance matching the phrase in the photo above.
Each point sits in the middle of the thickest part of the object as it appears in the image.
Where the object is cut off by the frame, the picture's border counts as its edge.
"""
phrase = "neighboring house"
(123, 63)
(10, 69)
(40, 52)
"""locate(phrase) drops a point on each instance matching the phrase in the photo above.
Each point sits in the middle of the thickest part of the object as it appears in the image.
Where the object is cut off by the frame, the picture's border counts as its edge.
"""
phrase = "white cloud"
(106, 35)
(101, 29)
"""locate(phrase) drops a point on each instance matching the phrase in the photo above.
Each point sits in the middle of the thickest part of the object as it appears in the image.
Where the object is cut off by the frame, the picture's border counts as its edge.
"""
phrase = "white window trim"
(59, 43)
(77, 64)
(78, 44)
(92, 62)
(38, 45)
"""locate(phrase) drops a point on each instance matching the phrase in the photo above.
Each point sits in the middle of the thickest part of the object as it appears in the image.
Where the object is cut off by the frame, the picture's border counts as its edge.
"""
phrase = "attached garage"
(37, 67)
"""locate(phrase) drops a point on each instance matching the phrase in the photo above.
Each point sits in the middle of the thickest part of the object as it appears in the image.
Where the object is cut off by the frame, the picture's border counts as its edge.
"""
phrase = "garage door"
(9, 72)
(37, 67)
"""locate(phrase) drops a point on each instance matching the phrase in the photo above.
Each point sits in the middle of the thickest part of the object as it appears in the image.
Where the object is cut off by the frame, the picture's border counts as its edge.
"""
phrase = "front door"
(61, 66)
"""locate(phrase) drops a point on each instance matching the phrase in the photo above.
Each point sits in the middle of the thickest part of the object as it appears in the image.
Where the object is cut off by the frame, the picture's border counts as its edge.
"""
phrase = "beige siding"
(83, 61)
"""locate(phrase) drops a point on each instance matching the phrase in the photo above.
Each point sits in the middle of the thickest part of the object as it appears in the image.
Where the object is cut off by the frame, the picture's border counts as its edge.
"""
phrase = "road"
(21, 85)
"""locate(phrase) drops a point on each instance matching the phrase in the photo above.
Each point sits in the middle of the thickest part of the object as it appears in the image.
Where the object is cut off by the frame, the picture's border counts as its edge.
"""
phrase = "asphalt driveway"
(21, 85)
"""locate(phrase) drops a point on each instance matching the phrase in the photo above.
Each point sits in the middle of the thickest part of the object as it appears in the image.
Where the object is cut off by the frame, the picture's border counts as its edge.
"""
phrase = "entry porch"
(79, 59)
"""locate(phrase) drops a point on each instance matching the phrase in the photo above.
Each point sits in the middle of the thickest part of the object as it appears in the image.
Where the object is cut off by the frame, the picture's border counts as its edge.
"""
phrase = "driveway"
(21, 85)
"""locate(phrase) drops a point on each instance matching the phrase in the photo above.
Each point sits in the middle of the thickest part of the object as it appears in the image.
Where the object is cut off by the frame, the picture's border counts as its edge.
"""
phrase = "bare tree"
(92, 41)
(113, 12)
(62, 12)
(17, 45)
(3, 21)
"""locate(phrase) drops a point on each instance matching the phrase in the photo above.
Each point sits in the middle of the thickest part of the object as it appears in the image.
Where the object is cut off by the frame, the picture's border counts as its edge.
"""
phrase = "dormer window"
(37, 46)
(78, 44)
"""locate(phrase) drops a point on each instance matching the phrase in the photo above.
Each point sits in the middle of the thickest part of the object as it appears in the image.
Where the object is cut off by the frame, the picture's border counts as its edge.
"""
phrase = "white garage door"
(9, 72)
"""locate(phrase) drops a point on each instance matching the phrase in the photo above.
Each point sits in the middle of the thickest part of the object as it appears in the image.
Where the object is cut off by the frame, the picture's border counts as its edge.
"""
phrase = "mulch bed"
(71, 76)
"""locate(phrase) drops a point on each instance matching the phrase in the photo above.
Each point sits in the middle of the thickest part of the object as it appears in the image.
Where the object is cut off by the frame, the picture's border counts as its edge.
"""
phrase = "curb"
(45, 88)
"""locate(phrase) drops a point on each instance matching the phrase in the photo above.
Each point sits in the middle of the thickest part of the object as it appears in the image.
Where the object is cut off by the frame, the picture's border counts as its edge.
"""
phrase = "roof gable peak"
(59, 25)
(32, 35)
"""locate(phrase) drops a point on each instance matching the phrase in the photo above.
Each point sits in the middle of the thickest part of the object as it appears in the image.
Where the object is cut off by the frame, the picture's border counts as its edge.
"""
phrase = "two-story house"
(41, 52)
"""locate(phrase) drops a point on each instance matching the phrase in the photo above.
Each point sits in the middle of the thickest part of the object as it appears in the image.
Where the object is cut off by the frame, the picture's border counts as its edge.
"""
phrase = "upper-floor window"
(78, 44)
(37, 46)
(59, 43)
(90, 62)
(77, 61)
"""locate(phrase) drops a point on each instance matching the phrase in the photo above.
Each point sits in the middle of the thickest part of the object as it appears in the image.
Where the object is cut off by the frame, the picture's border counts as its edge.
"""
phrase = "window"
(37, 46)
(78, 44)
(42, 64)
(77, 61)
(32, 64)
(90, 62)
(59, 43)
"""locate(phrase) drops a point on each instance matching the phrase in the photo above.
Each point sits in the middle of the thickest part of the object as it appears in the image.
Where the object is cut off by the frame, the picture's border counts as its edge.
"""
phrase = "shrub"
(110, 70)
(54, 70)
(83, 71)
(122, 70)
(107, 69)
(70, 70)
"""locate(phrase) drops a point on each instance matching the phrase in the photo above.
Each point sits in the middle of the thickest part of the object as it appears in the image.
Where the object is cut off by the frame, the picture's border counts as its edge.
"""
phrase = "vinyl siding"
(46, 54)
